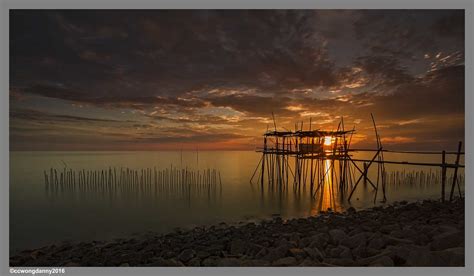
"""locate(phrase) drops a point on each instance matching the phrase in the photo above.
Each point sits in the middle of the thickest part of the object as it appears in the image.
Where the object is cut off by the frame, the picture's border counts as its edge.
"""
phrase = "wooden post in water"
(456, 172)
(264, 157)
(443, 175)
(365, 174)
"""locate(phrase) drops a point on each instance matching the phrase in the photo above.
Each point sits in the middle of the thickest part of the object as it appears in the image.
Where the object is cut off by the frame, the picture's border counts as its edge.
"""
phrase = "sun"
(327, 140)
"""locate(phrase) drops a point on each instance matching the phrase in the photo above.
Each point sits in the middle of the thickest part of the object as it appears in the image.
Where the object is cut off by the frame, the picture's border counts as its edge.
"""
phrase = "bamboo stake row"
(125, 181)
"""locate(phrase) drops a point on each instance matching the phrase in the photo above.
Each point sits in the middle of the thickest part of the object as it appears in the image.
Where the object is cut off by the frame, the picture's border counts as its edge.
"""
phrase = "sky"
(211, 79)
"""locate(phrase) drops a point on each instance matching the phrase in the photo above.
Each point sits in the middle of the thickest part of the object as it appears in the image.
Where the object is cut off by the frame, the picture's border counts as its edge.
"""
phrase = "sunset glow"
(328, 140)
(164, 80)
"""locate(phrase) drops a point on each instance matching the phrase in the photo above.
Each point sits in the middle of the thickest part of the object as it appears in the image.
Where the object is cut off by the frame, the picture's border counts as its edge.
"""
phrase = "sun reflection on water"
(327, 196)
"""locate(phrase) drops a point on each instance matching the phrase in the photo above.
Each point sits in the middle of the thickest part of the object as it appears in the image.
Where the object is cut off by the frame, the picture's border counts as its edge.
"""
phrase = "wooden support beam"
(360, 177)
(456, 172)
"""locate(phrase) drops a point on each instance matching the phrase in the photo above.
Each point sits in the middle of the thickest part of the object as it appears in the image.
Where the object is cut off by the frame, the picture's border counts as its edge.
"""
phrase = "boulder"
(345, 253)
(447, 240)
(337, 235)
(354, 241)
(314, 253)
(319, 241)
(297, 253)
(382, 261)
(194, 262)
(351, 210)
(238, 246)
(389, 228)
(202, 254)
(369, 260)
(360, 251)
(448, 257)
(420, 256)
(340, 261)
(228, 262)
(254, 263)
(276, 253)
(210, 261)
(287, 261)
(186, 255)
(334, 252)
(309, 262)
(377, 243)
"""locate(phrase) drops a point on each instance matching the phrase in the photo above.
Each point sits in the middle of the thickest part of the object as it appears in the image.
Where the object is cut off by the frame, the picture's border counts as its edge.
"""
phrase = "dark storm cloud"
(384, 70)
(34, 115)
(405, 34)
(163, 52)
(451, 25)
(439, 92)
(230, 69)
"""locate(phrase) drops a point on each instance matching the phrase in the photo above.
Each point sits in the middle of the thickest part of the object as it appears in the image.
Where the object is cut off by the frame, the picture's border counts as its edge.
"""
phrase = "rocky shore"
(425, 233)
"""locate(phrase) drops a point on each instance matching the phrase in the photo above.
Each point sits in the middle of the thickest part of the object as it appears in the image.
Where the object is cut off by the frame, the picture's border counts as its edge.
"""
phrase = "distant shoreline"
(423, 233)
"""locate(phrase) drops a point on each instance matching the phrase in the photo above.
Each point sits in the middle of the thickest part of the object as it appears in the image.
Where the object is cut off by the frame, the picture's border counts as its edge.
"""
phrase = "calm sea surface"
(39, 217)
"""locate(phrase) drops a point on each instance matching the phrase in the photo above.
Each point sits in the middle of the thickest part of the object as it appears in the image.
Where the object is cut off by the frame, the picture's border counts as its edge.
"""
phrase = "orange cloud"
(398, 140)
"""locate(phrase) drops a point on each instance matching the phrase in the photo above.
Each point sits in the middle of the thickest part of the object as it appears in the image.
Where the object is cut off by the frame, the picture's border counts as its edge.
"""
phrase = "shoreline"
(422, 233)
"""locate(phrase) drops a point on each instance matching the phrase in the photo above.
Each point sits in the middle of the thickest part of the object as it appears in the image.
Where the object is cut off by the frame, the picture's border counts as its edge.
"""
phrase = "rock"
(186, 255)
(210, 261)
(228, 262)
(369, 260)
(449, 257)
(339, 261)
(337, 235)
(445, 229)
(295, 237)
(194, 262)
(309, 262)
(263, 252)
(124, 264)
(382, 261)
(404, 234)
(351, 210)
(389, 228)
(288, 261)
(345, 253)
(360, 251)
(202, 254)
(238, 246)
(421, 239)
(372, 252)
(334, 252)
(314, 253)
(304, 242)
(215, 249)
(356, 231)
(158, 262)
(276, 253)
(420, 257)
(447, 240)
(297, 253)
(255, 263)
(377, 243)
(253, 249)
(169, 255)
(354, 241)
(319, 241)
(394, 241)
